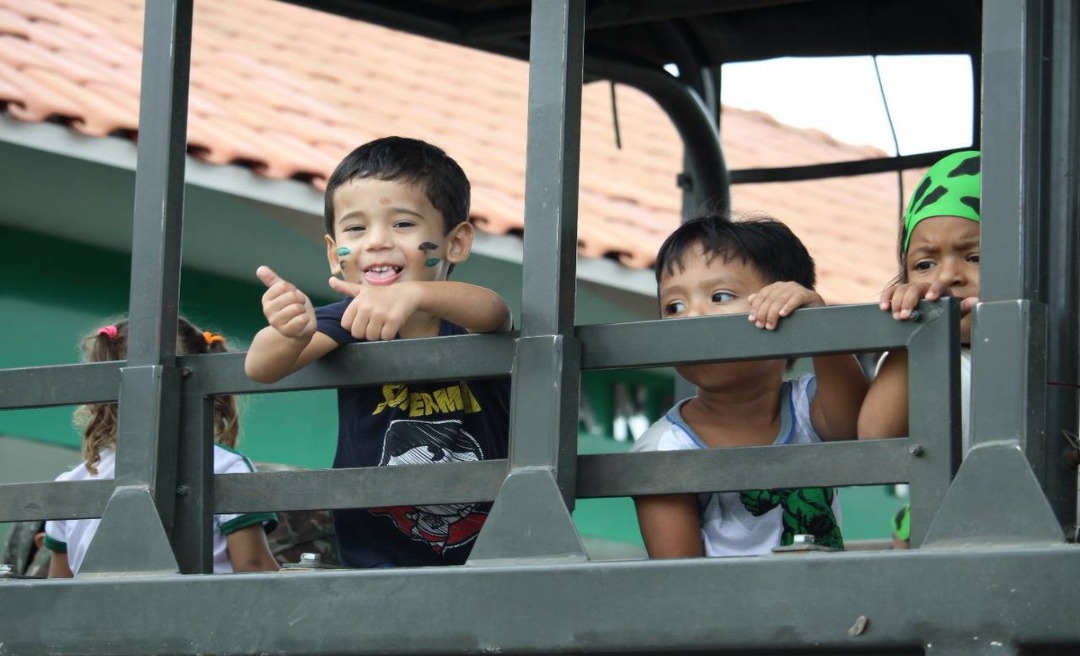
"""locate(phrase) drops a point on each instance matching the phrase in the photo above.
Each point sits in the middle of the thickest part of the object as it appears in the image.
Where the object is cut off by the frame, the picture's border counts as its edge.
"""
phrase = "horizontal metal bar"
(835, 329)
(746, 468)
(606, 475)
(21, 502)
(364, 487)
(374, 363)
(788, 603)
(840, 169)
(605, 346)
(66, 384)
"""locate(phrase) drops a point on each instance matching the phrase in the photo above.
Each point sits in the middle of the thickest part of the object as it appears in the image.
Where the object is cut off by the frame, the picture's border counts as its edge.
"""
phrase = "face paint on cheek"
(342, 252)
(428, 246)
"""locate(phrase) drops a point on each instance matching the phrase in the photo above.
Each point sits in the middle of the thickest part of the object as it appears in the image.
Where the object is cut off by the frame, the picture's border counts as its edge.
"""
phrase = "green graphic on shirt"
(806, 511)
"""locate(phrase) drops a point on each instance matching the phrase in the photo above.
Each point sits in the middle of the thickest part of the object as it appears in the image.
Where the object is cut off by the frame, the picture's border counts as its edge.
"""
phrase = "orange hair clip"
(212, 337)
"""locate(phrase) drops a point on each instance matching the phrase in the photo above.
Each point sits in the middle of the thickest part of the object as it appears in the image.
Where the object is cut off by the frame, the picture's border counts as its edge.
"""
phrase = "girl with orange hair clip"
(239, 541)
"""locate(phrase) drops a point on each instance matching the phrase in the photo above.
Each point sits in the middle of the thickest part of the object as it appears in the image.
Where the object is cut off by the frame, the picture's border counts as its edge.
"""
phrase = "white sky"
(929, 97)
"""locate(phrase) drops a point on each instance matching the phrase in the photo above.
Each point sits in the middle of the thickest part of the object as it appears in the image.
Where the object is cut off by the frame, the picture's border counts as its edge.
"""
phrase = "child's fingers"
(377, 328)
(297, 325)
(386, 330)
(766, 313)
(291, 320)
(968, 304)
(345, 287)
(348, 317)
(275, 302)
(885, 301)
(780, 308)
(936, 291)
(906, 301)
(361, 328)
(267, 276)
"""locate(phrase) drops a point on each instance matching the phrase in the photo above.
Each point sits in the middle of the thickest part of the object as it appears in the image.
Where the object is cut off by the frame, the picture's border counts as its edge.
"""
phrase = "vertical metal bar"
(550, 258)
(146, 452)
(193, 534)
(159, 182)
(934, 362)
(536, 497)
(552, 158)
(1063, 238)
(1013, 124)
(1012, 406)
(1021, 167)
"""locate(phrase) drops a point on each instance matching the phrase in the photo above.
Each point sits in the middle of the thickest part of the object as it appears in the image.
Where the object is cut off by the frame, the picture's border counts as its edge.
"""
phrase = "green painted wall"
(58, 291)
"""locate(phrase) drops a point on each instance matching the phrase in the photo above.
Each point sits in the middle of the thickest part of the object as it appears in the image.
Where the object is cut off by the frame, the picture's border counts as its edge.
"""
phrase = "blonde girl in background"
(239, 540)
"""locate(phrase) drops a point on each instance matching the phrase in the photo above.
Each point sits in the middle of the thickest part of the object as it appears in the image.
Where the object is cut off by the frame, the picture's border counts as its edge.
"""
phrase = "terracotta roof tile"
(288, 92)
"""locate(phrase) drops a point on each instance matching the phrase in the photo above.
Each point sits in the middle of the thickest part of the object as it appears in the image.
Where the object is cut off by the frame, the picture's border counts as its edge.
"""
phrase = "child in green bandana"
(939, 256)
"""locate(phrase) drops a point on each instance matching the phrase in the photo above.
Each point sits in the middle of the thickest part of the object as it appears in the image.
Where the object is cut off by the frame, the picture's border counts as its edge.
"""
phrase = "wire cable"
(892, 131)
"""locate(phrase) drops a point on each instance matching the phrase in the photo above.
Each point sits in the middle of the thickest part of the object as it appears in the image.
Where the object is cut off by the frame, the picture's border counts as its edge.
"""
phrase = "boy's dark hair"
(761, 241)
(406, 160)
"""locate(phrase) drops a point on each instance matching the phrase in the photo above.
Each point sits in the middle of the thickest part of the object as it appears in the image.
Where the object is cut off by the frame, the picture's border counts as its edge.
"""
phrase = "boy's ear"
(459, 243)
(332, 257)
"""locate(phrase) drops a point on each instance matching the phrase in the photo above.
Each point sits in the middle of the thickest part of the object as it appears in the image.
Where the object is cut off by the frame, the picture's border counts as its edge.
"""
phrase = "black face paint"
(428, 246)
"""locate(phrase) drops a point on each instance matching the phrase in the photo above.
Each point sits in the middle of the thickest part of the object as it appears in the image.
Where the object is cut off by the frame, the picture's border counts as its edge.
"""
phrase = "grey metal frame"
(993, 573)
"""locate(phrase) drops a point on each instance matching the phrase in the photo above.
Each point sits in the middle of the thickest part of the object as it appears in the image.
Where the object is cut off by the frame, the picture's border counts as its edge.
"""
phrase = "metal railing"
(992, 574)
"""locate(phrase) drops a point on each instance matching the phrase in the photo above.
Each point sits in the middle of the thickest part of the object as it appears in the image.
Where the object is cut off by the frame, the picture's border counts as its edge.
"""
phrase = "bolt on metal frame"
(993, 573)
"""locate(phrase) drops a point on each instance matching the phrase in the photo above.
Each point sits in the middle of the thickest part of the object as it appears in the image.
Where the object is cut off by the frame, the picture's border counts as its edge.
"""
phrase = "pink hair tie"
(108, 331)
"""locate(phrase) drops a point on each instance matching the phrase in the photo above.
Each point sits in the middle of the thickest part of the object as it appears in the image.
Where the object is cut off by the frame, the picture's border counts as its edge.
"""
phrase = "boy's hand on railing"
(378, 313)
(287, 309)
(778, 300)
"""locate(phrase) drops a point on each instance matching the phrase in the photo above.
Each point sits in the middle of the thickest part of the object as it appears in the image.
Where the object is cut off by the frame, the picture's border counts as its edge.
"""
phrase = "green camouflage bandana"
(950, 188)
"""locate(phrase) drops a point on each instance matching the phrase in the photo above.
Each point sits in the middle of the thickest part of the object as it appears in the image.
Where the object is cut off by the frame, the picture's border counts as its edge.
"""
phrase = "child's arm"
(885, 410)
(841, 385)
(249, 551)
(379, 312)
(841, 388)
(290, 341)
(58, 566)
(670, 525)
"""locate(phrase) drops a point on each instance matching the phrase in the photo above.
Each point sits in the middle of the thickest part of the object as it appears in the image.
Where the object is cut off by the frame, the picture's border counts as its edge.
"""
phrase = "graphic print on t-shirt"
(453, 398)
(414, 442)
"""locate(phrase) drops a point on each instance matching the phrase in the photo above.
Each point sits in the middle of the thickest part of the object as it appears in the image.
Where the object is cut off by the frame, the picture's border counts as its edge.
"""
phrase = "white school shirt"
(73, 536)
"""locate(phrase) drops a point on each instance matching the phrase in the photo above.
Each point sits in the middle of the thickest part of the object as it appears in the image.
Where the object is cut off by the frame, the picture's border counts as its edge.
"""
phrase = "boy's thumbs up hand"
(287, 309)
(267, 275)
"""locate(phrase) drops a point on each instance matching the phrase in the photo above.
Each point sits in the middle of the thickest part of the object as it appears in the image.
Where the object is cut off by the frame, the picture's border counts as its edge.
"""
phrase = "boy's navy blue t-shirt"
(414, 423)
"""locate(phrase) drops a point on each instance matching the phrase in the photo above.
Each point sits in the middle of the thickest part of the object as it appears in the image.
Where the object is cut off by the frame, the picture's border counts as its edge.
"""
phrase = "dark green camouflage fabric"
(806, 511)
(23, 554)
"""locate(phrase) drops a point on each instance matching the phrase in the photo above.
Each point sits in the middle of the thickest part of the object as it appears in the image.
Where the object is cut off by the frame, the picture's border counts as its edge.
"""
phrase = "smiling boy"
(396, 224)
(714, 266)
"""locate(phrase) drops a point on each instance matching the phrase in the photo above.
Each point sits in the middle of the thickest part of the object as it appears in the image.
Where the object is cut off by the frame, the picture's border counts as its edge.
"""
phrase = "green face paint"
(428, 246)
(342, 251)
(952, 187)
